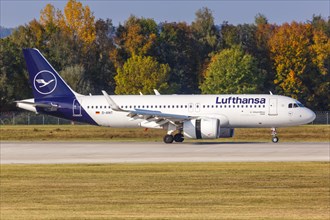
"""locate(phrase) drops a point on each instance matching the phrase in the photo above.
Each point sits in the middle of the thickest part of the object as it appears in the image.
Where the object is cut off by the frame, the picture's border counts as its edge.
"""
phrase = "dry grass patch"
(166, 191)
(308, 133)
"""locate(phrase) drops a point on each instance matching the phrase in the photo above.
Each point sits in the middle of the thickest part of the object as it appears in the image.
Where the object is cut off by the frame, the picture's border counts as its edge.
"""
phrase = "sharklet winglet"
(110, 101)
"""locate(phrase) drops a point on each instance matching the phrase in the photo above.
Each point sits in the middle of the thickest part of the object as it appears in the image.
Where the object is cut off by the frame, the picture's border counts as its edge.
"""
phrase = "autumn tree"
(231, 71)
(301, 55)
(138, 36)
(141, 74)
(78, 21)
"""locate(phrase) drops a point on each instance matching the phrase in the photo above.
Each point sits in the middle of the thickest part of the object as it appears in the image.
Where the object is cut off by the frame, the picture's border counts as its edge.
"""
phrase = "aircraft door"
(76, 107)
(272, 107)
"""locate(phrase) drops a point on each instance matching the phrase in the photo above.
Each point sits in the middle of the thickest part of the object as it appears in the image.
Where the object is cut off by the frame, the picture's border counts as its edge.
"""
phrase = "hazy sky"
(19, 12)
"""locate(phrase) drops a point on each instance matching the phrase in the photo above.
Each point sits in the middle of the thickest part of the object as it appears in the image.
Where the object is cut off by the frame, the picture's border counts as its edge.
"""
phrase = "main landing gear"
(275, 139)
(170, 138)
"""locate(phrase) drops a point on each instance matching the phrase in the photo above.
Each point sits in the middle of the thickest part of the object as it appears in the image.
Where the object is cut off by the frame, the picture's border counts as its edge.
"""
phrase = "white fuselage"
(234, 111)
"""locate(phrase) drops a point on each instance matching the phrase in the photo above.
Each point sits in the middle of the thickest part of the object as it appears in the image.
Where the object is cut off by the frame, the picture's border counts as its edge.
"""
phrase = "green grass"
(297, 190)
(308, 133)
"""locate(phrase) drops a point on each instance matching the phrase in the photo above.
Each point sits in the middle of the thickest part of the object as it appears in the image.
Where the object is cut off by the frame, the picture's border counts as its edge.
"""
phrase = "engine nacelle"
(204, 128)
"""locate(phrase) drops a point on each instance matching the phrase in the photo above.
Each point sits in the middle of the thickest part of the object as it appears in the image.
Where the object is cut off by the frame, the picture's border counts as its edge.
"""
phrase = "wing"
(152, 119)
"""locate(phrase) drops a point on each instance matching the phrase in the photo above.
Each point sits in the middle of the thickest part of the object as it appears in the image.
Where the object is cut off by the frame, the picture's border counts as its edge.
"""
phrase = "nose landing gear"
(275, 139)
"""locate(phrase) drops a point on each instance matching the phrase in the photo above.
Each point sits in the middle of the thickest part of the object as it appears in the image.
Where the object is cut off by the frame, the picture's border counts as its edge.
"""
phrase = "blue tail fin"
(45, 81)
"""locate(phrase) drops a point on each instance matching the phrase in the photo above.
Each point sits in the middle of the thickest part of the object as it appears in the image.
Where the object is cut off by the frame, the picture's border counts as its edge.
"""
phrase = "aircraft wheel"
(168, 139)
(275, 139)
(178, 137)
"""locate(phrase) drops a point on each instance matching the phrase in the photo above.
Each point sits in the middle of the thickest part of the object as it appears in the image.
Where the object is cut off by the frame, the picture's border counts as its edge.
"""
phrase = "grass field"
(166, 191)
(308, 133)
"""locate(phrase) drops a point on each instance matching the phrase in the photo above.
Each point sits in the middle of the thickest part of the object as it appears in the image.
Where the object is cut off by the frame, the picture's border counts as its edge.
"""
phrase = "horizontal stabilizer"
(30, 102)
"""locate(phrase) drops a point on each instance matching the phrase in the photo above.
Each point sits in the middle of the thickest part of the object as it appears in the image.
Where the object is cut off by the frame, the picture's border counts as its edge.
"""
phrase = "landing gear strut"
(275, 139)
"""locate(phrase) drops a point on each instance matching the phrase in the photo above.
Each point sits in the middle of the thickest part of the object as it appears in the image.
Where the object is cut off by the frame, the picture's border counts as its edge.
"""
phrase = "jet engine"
(205, 128)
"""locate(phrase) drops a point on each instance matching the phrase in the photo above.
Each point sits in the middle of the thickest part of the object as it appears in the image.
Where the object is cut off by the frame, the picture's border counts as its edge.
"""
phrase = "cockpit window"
(295, 105)
(300, 105)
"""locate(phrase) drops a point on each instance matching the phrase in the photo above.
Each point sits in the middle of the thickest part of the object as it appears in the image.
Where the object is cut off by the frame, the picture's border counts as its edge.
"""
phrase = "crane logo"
(45, 82)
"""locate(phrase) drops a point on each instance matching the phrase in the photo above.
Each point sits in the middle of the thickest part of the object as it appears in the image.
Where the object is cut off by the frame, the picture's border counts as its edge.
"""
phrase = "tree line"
(140, 55)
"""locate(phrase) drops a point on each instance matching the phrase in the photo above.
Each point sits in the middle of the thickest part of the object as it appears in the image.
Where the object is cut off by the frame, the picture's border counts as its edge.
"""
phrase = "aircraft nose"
(310, 116)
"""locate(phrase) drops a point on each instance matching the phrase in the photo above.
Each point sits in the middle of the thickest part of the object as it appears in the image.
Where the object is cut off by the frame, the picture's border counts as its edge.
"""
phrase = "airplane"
(183, 116)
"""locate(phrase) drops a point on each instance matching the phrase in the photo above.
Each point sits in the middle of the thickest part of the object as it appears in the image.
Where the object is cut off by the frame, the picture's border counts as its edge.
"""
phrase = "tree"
(101, 70)
(229, 35)
(13, 76)
(263, 32)
(74, 76)
(301, 61)
(138, 36)
(78, 22)
(141, 74)
(231, 71)
(177, 47)
(205, 30)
